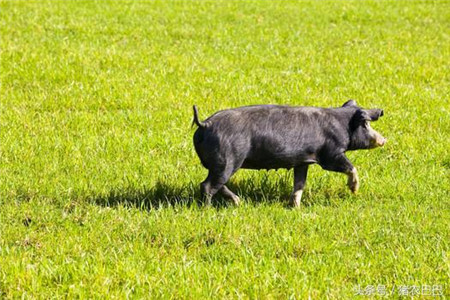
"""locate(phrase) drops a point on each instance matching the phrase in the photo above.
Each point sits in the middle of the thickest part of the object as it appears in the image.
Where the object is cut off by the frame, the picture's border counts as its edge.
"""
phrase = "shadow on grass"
(261, 191)
(160, 195)
(164, 195)
(250, 190)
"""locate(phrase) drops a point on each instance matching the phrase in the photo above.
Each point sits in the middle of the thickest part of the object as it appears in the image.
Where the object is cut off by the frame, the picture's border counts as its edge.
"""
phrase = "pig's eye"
(366, 124)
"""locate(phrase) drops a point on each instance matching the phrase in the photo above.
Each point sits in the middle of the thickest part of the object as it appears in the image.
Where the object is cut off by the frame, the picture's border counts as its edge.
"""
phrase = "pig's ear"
(360, 117)
(350, 103)
(374, 114)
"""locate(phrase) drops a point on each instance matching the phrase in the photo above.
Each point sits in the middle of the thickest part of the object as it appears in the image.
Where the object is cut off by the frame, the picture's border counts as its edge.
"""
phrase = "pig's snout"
(381, 141)
(378, 140)
(375, 139)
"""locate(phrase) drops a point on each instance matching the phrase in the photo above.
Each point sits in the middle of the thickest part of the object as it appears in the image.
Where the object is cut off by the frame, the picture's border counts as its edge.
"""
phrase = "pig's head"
(362, 135)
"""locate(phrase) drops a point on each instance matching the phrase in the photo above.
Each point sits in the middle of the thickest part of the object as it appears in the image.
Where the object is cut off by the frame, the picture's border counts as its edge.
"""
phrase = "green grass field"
(99, 178)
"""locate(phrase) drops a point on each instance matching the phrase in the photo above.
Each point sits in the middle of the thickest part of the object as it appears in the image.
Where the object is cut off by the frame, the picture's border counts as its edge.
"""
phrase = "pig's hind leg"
(342, 164)
(215, 182)
(300, 173)
(229, 194)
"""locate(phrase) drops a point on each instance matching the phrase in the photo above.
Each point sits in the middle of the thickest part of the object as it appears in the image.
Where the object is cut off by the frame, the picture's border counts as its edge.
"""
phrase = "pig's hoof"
(353, 180)
(354, 187)
(294, 205)
(236, 201)
(207, 202)
(296, 199)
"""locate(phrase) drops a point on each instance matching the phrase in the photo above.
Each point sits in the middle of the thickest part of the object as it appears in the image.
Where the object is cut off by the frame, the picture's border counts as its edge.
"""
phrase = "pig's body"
(272, 137)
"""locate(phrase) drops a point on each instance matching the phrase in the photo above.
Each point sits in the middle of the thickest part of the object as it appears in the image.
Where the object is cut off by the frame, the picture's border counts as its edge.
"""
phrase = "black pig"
(273, 137)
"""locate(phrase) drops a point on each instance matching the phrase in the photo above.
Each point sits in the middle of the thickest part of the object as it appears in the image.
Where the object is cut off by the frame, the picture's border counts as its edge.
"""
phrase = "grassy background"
(99, 176)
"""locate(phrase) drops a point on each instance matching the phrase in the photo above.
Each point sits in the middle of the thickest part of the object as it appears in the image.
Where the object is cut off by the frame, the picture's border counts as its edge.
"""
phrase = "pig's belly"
(277, 162)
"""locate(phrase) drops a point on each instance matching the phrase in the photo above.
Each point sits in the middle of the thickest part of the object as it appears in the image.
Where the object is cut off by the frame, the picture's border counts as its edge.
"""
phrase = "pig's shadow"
(164, 195)
(160, 195)
(265, 191)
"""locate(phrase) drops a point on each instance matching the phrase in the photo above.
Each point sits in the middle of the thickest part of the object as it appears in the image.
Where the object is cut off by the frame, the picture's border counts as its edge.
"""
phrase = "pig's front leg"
(300, 173)
(353, 180)
(340, 163)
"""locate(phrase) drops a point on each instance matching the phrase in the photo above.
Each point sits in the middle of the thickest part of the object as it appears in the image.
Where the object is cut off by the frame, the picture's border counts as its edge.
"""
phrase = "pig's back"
(273, 136)
(283, 121)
